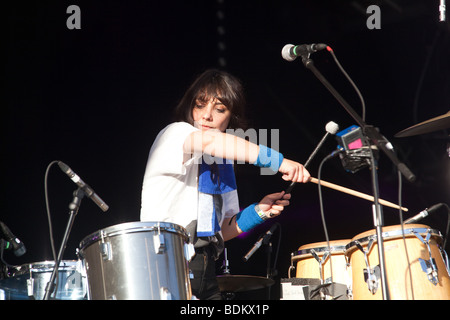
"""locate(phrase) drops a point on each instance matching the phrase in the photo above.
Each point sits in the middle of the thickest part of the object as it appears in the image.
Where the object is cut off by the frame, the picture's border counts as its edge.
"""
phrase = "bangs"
(217, 87)
(214, 84)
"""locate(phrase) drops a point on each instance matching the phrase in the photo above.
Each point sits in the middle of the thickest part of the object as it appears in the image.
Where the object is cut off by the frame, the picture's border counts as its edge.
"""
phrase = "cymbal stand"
(226, 271)
(270, 271)
(226, 263)
(74, 206)
(381, 142)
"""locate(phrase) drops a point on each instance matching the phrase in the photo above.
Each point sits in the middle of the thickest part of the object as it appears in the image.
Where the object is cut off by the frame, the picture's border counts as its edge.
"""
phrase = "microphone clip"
(78, 195)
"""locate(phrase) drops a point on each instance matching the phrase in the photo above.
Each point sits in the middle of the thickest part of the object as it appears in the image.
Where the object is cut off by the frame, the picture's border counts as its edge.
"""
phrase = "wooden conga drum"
(425, 276)
(318, 261)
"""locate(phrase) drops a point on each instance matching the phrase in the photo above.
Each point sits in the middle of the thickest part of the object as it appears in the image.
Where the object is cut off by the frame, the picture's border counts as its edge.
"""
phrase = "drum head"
(393, 232)
(336, 246)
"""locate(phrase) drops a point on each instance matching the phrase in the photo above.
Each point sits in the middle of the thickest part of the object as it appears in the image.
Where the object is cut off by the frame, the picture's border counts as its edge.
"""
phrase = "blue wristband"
(269, 158)
(247, 219)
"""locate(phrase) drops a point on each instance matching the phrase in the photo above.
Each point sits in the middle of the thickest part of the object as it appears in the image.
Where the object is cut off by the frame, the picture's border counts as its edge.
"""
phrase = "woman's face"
(211, 114)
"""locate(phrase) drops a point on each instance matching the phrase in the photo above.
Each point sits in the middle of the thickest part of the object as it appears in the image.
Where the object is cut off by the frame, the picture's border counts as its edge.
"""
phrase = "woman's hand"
(273, 204)
(294, 171)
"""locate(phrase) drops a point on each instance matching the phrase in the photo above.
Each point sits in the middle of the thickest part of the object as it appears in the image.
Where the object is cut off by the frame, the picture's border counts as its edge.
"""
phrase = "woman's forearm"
(221, 145)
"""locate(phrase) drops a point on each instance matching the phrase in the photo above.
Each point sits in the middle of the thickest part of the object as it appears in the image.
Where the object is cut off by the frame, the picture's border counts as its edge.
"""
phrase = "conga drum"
(417, 273)
(318, 264)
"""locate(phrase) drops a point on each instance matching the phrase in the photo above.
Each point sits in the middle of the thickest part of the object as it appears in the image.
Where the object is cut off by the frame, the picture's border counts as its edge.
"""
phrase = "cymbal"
(434, 124)
(238, 283)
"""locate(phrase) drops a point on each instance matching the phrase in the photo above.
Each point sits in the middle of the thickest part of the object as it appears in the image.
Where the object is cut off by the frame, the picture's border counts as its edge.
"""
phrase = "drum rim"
(132, 227)
(319, 250)
(386, 235)
(43, 266)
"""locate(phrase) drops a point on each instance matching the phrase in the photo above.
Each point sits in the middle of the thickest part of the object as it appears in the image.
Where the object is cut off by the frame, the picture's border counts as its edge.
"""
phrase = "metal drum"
(424, 277)
(28, 281)
(137, 261)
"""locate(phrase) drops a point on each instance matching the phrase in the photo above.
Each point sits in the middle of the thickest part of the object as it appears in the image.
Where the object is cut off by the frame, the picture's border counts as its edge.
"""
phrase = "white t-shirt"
(170, 186)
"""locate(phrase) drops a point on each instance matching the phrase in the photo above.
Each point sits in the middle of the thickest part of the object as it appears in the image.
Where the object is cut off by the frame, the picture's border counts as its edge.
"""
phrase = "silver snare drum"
(137, 261)
(28, 281)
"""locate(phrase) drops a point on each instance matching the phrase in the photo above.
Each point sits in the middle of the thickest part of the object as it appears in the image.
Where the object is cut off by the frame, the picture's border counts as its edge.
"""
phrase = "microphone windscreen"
(286, 52)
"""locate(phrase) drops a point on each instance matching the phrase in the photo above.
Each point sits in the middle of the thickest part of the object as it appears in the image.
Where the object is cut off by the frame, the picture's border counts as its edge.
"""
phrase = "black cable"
(446, 237)
(319, 172)
(278, 246)
(448, 226)
(4, 266)
(276, 258)
(49, 219)
(363, 104)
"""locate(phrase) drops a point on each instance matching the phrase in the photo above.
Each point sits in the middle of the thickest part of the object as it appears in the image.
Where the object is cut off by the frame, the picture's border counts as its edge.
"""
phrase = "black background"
(96, 97)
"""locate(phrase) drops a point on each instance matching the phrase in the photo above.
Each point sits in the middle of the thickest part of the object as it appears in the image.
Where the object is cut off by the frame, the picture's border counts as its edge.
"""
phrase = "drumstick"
(356, 193)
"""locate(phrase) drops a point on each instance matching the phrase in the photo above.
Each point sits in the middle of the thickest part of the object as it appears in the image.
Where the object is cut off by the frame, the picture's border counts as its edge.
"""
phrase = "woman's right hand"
(294, 171)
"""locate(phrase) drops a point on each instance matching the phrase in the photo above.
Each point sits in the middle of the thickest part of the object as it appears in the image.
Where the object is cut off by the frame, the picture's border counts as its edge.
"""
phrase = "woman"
(188, 182)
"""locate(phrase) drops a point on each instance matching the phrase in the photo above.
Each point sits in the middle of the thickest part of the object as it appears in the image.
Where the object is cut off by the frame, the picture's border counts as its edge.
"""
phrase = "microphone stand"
(382, 144)
(74, 206)
(270, 271)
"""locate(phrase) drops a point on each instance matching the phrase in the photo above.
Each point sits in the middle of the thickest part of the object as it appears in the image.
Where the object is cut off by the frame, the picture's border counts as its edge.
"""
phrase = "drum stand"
(373, 135)
(74, 206)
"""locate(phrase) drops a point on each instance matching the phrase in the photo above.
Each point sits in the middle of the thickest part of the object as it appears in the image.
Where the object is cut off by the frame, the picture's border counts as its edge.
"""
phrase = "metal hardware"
(159, 243)
(165, 294)
(371, 275)
(105, 251)
(428, 266)
(325, 256)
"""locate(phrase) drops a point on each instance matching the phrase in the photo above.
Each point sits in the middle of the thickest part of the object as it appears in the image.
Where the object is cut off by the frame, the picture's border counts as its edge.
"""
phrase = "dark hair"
(218, 84)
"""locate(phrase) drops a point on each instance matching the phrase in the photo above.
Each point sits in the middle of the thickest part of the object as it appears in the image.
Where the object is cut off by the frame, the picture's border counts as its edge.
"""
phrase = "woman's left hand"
(273, 204)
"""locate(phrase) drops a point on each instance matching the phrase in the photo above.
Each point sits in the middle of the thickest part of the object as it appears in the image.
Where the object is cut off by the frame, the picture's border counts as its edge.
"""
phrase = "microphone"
(87, 189)
(291, 52)
(258, 243)
(17, 246)
(424, 213)
(330, 128)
